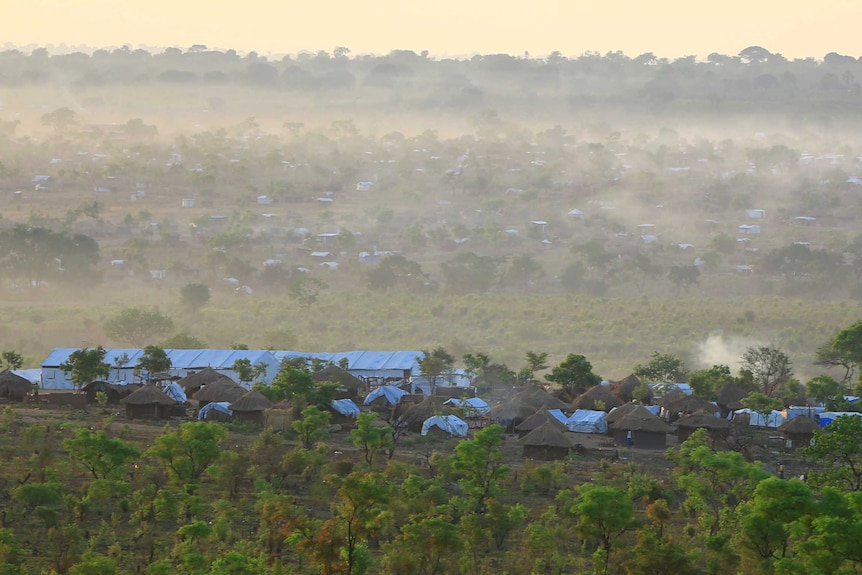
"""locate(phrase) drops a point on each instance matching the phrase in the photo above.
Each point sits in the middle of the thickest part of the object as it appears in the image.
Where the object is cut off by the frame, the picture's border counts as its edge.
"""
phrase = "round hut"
(798, 432)
(618, 413)
(115, 393)
(148, 402)
(523, 405)
(546, 442)
(415, 415)
(717, 428)
(673, 410)
(538, 419)
(250, 408)
(14, 387)
(224, 389)
(596, 397)
(351, 386)
(671, 396)
(729, 398)
(624, 389)
(648, 431)
(193, 382)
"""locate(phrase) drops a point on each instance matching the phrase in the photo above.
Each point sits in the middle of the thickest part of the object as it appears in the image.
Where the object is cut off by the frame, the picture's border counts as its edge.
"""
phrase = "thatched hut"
(687, 405)
(224, 389)
(717, 428)
(546, 442)
(250, 408)
(624, 389)
(149, 402)
(798, 432)
(730, 397)
(648, 431)
(113, 391)
(596, 397)
(14, 387)
(351, 386)
(280, 416)
(671, 396)
(415, 415)
(193, 382)
(538, 419)
(619, 412)
(523, 405)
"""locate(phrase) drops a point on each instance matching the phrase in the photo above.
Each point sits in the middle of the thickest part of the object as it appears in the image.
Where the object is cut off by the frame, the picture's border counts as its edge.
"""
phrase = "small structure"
(415, 416)
(595, 397)
(451, 425)
(250, 408)
(149, 402)
(546, 443)
(14, 387)
(113, 391)
(193, 382)
(673, 410)
(798, 432)
(648, 431)
(541, 417)
(587, 421)
(729, 398)
(385, 395)
(343, 412)
(351, 385)
(618, 413)
(222, 390)
(625, 387)
(717, 428)
(188, 203)
(216, 411)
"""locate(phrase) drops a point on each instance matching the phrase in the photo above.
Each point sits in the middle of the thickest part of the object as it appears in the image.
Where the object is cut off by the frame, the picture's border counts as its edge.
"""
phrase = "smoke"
(718, 350)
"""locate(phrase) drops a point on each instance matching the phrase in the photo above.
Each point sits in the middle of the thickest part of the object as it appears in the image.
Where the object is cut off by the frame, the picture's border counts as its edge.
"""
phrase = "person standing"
(629, 440)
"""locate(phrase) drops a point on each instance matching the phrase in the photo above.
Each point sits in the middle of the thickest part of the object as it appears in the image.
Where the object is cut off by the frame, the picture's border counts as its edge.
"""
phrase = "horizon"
(446, 29)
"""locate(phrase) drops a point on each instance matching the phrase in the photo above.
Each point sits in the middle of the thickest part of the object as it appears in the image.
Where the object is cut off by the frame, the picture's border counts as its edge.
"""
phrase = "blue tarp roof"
(587, 421)
(451, 424)
(222, 406)
(180, 358)
(176, 392)
(558, 413)
(345, 407)
(475, 405)
(393, 395)
(362, 360)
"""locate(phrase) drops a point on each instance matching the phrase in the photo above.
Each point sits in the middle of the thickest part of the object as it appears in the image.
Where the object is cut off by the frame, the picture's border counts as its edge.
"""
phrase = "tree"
(603, 514)
(183, 341)
(523, 270)
(770, 367)
(60, 119)
(683, 277)
(847, 344)
(762, 404)
(136, 326)
(468, 272)
(828, 356)
(195, 296)
(370, 437)
(85, 365)
(359, 511)
(153, 360)
(829, 392)
(11, 360)
(243, 369)
(663, 368)
(536, 361)
(189, 450)
(306, 290)
(574, 373)
(312, 426)
(706, 383)
(103, 456)
(435, 363)
(837, 451)
(479, 464)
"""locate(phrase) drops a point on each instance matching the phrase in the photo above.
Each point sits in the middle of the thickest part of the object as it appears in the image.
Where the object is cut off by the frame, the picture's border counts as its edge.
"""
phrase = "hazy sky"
(668, 28)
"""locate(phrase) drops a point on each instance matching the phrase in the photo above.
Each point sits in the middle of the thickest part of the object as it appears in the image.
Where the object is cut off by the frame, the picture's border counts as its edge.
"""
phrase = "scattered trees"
(86, 364)
(136, 326)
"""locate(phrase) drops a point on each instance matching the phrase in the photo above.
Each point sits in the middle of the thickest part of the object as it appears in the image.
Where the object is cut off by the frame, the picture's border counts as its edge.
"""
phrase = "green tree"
(706, 383)
(95, 564)
(603, 514)
(828, 356)
(837, 451)
(478, 462)
(188, 451)
(243, 369)
(305, 290)
(468, 272)
(574, 373)
(183, 341)
(536, 361)
(359, 510)
(684, 277)
(60, 119)
(847, 343)
(425, 546)
(104, 457)
(312, 427)
(770, 367)
(435, 363)
(86, 364)
(523, 270)
(371, 437)
(829, 392)
(663, 368)
(762, 404)
(153, 360)
(12, 554)
(195, 296)
(136, 326)
(11, 360)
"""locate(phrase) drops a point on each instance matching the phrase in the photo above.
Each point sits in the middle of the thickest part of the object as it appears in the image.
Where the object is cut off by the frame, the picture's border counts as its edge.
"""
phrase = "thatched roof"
(731, 395)
(589, 398)
(200, 378)
(690, 404)
(640, 419)
(625, 387)
(620, 412)
(671, 396)
(546, 435)
(540, 418)
(704, 420)
(251, 401)
(220, 390)
(148, 395)
(14, 386)
(426, 408)
(340, 376)
(525, 403)
(799, 425)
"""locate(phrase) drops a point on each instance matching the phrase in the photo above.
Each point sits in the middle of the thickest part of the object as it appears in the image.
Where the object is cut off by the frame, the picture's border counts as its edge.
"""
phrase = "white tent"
(828, 417)
(587, 421)
(473, 406)
(448, 423)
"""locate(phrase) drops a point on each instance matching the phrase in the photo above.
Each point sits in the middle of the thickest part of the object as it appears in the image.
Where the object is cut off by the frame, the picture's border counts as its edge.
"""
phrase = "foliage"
(478, 463)
(153, 360)
(190, 450)
(103, 456)
(305, 290)
(11, 359)
(194, 296)
(574, 372)
(136, 326)
(663, 368)
(183, 341)
(837, 449)
(85, 365)
(771, 368)
(312, 427)
(433, 364)
(370, 437)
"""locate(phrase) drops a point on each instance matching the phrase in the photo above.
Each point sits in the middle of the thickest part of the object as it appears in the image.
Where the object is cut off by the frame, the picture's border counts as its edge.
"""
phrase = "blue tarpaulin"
(449, 423)
(222, 406)
(473, 406)
(393, 395)
(175, 392)
(345, 407)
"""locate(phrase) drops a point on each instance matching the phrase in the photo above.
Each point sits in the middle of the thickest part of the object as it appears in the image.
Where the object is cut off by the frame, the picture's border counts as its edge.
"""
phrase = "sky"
(445, 28)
